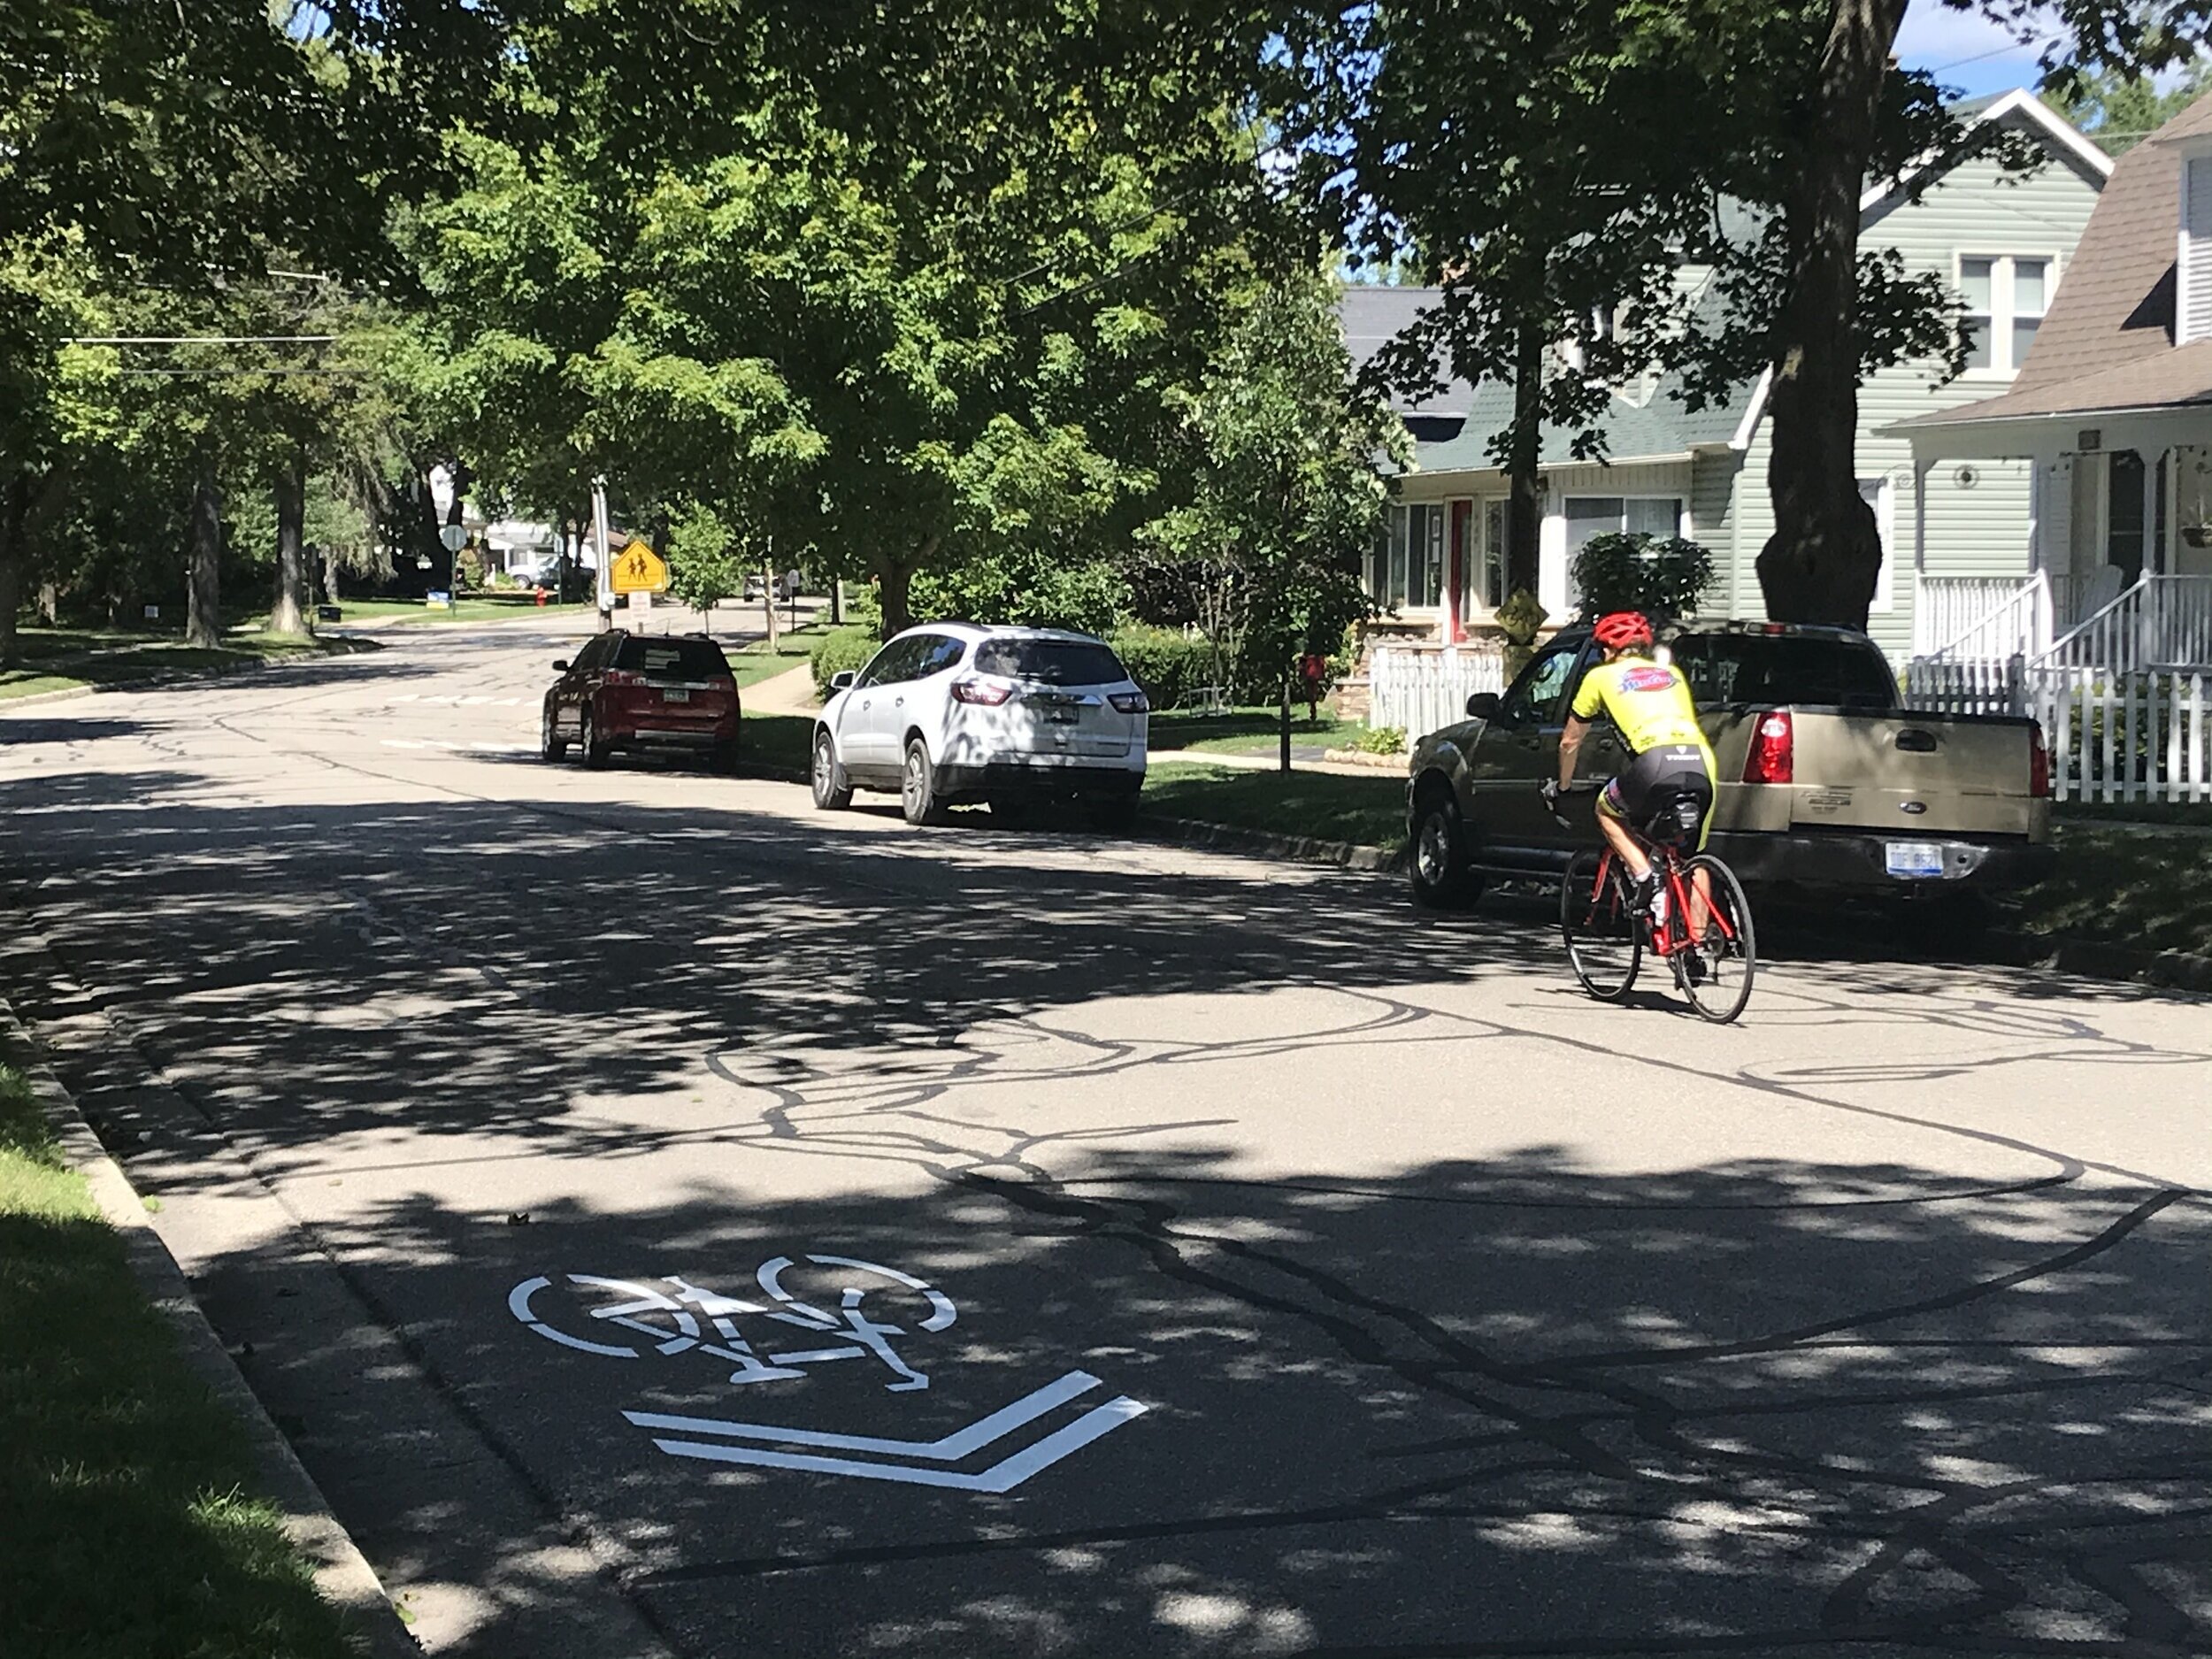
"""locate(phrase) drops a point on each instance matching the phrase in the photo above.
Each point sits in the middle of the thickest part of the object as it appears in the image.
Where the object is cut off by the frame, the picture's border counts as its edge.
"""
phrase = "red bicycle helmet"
(1624, 628)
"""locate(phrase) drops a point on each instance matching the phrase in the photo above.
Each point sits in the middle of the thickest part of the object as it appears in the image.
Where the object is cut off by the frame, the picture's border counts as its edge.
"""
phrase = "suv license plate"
(676, 695)
(1060, 714)
(1915, 859)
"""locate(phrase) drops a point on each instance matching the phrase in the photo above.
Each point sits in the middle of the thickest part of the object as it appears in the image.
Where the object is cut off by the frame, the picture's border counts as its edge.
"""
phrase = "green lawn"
(2134, 812)
(754, 663)
(67, 659)
(773, 743)
(2127, 887)
(124, 1485)
(474, 609)
(1248, 731)
(1367, 811)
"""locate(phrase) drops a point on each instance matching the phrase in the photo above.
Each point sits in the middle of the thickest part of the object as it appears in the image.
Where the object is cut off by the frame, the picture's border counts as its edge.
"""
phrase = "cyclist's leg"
(1612, 816)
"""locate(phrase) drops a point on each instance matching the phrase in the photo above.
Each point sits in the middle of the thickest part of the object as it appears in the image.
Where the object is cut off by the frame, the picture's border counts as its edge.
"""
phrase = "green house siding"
(1978, 518)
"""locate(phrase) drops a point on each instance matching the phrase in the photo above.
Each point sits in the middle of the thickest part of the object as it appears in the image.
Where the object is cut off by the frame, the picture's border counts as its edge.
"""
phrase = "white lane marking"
(1001, 1476)
(949, 1448)
(518, 1304)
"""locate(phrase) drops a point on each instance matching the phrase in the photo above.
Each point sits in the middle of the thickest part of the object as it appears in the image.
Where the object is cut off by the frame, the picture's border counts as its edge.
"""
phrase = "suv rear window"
(1054, 662)
(673, 659)
(1754, 668)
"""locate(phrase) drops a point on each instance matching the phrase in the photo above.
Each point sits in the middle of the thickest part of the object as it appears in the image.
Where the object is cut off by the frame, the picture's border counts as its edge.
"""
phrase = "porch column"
(2154, 473)
(1923, 640)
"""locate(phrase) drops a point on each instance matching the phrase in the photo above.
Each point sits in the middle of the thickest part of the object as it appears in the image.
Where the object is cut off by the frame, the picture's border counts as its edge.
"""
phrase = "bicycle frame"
(1665, 941)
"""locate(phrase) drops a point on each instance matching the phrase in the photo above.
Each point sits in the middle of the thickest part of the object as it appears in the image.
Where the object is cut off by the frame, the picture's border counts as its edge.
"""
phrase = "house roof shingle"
(2108, 340)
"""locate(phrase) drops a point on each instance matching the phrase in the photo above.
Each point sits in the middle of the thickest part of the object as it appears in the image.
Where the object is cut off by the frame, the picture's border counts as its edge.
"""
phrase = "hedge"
(838, 651)
(1171, 668)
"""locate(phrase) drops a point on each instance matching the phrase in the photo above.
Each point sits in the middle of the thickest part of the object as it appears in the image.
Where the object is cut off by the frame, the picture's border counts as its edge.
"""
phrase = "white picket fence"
(2140, 736)
(1958, 618)
(1423, 691)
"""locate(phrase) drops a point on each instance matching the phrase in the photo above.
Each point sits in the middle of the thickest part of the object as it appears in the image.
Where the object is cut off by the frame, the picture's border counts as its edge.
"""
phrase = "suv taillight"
(1129, 701)
(980, 691)
(2039, 763)
(621, 676)
(1773, 757)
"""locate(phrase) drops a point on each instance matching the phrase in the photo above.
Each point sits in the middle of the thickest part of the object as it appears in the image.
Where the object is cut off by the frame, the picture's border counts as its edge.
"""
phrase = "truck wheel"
(1437, 867)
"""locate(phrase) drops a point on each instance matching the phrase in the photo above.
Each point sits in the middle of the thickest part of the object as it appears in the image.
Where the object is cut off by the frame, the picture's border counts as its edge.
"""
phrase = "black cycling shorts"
(1656, 778)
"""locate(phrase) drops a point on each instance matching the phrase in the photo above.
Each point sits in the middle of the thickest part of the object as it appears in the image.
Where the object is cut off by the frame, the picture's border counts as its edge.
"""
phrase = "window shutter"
(2194, 305)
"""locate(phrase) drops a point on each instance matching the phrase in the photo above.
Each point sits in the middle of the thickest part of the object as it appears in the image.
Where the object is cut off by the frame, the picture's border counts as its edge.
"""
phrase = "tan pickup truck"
(1826, 780)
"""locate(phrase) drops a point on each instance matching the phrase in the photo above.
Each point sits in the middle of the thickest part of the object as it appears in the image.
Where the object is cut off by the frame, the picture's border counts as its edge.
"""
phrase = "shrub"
(1382, 740)
(1169, 666)
(839, 651)
(1640, 572)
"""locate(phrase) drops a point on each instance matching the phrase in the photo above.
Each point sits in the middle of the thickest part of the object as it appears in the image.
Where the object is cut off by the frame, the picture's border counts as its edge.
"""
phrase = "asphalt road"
(1309, 1275)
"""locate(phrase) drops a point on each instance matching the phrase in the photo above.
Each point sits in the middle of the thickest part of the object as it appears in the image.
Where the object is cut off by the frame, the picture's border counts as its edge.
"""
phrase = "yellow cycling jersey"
(1649, 703)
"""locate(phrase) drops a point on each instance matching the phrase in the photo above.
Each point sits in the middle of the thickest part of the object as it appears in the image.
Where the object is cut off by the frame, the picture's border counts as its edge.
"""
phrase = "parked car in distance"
(950, 713)
(1825, 780)
(639, 692)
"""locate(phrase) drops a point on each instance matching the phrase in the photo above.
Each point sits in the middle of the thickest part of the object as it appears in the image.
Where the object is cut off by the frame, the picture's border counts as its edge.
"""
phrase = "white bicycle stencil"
(689, 1319)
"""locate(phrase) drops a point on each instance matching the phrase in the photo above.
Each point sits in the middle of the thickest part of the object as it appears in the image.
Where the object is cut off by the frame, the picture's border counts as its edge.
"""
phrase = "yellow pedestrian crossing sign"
(639, 569)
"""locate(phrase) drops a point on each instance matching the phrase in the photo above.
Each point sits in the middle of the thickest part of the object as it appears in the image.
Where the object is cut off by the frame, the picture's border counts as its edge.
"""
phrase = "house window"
(2006, 296)
(1589, 516)
(1407, 566)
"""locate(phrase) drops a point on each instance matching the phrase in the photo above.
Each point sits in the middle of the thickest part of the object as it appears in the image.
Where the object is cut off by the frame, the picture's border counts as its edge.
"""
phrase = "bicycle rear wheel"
(1728, 954)
(1604, 935)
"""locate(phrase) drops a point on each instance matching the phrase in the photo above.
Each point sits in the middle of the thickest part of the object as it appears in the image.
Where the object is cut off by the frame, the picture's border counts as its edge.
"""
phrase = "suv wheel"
(831, 793)
(1438, 868)
(596, 752)
(551, 744)
(917, 786)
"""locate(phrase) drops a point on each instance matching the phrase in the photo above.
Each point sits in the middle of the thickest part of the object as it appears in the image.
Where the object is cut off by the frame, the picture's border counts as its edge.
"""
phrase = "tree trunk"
(202, 610)
(897, 581)
(1525, 504)
(1822, 561)
(290, 614)
(330, 574)
(768, 601)
(14, 512)
(837, 602)
(1284, 763)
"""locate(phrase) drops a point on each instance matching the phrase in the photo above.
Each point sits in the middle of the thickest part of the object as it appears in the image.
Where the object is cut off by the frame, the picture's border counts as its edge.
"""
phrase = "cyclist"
(1649, 704)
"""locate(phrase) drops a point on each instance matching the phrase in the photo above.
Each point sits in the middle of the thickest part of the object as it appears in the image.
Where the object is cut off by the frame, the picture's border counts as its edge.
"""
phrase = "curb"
(2170, 970)
(1305, 848)
(342, 1574)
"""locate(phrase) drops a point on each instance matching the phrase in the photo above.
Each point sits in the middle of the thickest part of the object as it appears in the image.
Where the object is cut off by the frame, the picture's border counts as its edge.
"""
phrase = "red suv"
(643, 691)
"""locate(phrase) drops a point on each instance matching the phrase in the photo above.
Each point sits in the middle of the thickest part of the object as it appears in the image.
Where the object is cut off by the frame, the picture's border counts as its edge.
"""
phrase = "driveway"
(667, 1219)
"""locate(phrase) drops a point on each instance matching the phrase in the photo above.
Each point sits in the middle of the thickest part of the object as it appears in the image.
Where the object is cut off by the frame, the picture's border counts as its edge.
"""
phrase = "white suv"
(950, 713)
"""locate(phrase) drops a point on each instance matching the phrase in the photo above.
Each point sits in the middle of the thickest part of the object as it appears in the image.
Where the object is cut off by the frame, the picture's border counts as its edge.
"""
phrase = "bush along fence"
(1424, 691)
(2145, 735)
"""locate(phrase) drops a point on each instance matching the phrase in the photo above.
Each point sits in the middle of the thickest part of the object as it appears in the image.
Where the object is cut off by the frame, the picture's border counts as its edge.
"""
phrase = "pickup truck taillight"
(2038, 763)
(1772, 756)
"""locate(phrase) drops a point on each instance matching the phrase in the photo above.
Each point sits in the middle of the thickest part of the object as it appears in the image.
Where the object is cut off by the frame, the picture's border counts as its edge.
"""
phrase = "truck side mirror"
(1483, 706)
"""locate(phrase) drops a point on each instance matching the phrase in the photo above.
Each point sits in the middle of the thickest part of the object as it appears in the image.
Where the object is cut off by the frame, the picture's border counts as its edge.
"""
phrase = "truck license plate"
(1914, 859)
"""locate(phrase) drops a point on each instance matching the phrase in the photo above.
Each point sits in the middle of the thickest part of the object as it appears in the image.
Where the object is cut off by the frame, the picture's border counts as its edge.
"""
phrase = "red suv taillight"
(2039, 763)
(621, 676)
(980, 691)
(1773, 757)
(1129, 701)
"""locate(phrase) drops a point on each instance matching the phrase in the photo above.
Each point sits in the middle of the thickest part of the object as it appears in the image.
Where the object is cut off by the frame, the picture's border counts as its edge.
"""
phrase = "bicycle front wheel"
(1604, 935)
(1725, 951)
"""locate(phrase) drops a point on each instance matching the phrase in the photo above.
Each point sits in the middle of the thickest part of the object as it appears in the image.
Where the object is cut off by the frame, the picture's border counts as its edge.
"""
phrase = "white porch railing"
(2162, 622)
(1990, 617)
(2113, 736)
(1423, 691)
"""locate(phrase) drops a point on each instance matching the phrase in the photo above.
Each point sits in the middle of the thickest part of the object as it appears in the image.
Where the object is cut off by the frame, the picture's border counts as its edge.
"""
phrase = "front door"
(1519, 750)
(867, 724)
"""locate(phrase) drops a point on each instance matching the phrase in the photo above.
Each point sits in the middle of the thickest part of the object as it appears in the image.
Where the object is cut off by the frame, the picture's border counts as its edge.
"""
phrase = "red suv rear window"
(673, 659)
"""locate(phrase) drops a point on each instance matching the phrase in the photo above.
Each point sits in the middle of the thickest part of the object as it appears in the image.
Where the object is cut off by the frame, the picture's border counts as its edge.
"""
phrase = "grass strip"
(1328, 806)
(1246, 731)
(2142, 888)
(125, 1487)
(75, 660)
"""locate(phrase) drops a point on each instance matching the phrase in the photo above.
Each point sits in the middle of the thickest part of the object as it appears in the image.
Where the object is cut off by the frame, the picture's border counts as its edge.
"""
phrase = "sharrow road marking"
(948, 1449)
(1001, 1476)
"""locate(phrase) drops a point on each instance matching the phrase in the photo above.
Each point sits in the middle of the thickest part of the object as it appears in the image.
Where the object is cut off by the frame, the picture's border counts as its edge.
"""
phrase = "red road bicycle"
(1705, 937)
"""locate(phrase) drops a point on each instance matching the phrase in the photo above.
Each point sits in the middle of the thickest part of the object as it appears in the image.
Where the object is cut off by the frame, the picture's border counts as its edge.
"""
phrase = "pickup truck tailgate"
(1906, 772)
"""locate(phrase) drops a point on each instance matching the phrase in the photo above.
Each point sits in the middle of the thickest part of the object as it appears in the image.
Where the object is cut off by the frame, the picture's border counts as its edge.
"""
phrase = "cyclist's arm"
(1570, 746)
